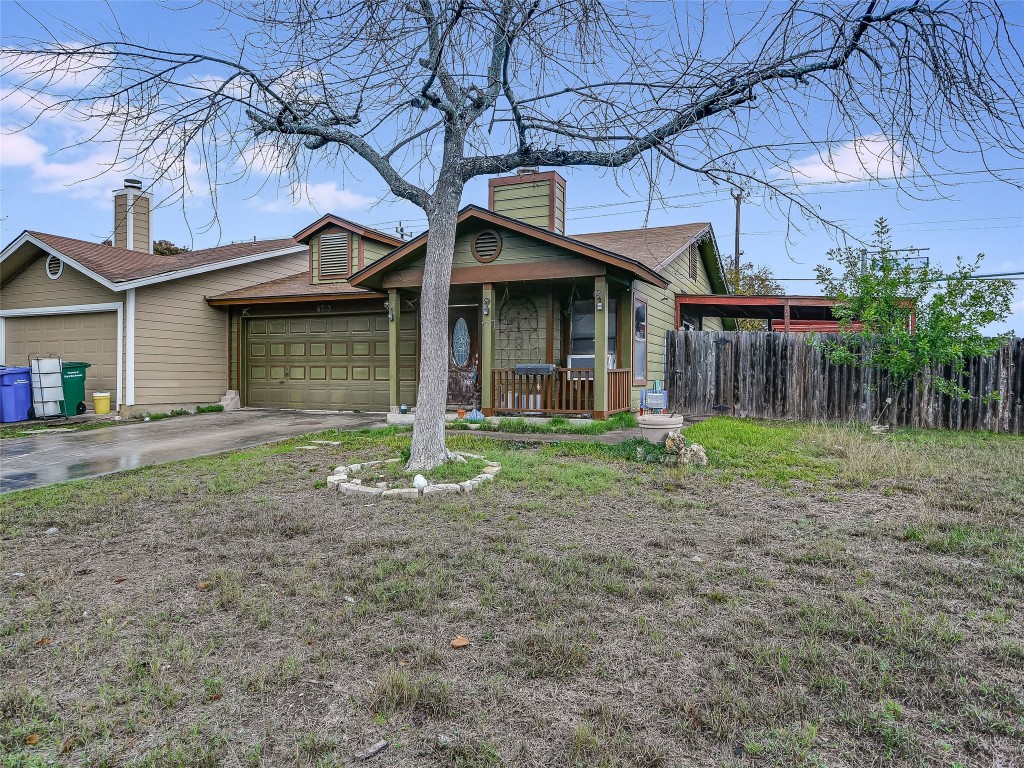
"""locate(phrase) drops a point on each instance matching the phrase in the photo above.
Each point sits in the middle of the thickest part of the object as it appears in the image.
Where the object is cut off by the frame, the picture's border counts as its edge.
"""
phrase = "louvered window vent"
(334, 255)
(54, 266)
(487, 246)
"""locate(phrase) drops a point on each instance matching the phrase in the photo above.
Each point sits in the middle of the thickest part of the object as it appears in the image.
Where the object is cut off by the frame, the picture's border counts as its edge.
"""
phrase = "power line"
(992, 276)
(713, 197)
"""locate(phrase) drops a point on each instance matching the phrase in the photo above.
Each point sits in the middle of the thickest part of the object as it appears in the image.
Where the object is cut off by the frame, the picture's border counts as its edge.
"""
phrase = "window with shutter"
(693, 262)
(335, 255)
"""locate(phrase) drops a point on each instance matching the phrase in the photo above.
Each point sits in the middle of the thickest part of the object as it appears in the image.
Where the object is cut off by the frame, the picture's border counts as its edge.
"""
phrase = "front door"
(463, 357)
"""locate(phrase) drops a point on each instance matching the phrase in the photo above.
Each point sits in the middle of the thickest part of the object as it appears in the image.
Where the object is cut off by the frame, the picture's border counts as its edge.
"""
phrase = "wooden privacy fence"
(783, 376)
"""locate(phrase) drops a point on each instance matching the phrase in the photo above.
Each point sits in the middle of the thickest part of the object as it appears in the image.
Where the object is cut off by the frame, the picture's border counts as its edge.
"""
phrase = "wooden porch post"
(601, 347)
(394, 325)
(488, 308)
(624, 331)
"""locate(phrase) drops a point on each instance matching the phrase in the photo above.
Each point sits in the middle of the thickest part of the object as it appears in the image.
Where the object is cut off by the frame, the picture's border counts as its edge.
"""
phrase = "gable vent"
(334, 255)
(486, 246)
(54, 266)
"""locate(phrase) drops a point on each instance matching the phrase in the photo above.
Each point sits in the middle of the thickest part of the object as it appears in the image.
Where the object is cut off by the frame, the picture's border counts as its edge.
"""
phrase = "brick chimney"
(131, 217)
(530, 196)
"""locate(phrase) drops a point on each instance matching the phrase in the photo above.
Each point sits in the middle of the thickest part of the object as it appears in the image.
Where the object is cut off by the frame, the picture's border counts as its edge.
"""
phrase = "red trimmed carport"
(790, 314)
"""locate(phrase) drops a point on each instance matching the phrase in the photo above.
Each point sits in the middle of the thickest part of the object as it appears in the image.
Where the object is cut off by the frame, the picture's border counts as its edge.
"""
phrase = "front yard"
(817, 596)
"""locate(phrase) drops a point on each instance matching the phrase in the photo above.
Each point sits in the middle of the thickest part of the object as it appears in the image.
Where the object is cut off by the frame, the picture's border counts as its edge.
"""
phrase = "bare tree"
(431, 93)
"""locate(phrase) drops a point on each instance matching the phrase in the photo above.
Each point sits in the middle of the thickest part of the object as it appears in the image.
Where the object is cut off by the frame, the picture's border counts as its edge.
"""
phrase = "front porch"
(551, 348)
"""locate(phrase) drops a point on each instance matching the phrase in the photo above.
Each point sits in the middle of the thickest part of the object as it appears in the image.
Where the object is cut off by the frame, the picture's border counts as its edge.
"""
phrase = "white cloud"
(322, 197)
(863, 159)
(20, 150)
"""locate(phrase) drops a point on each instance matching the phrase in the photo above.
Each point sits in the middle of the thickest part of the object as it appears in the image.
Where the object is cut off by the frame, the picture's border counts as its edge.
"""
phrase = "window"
(693, 263)
(335, 252)
(54, 267)
(486, 246)
(639, 340)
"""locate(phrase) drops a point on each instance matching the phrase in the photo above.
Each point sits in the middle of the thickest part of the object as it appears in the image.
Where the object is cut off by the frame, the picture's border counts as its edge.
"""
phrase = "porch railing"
(566, 391)
(620, 389)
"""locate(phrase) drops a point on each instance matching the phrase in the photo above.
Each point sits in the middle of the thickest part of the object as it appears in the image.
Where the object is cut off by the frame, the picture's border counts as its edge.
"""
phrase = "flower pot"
(656, 426)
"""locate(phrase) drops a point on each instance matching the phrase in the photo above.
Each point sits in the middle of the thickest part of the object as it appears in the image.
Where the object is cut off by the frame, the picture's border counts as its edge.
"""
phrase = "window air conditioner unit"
(587, 361)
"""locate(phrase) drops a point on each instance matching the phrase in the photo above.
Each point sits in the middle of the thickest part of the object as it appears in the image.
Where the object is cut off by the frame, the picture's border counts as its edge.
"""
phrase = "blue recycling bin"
(15, 393)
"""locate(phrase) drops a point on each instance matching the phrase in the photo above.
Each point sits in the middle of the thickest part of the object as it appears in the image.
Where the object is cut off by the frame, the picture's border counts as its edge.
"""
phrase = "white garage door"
(89, 337)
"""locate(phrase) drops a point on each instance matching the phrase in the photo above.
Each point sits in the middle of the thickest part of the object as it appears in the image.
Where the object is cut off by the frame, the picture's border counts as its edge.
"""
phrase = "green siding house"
(539, 321)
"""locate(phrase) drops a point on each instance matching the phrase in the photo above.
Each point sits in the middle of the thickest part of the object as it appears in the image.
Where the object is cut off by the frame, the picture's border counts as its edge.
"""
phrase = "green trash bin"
(72, 377)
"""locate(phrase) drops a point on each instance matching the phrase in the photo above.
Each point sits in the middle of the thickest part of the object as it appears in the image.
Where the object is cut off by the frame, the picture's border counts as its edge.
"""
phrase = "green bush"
(214, 408)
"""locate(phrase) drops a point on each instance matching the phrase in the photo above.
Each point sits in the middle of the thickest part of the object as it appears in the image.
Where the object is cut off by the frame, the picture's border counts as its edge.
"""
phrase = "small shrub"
(214, 408)
(179, 412)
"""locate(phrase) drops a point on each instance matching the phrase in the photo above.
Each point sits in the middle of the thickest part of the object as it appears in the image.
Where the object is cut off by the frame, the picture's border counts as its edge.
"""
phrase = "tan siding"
(141, 224)
(121, 221)
(233, 354)
(32, 287)
(529, 202)
(559, 209)
(181, 341)
(515, 249)
(314, 250)
(372, 251)
(661, 309)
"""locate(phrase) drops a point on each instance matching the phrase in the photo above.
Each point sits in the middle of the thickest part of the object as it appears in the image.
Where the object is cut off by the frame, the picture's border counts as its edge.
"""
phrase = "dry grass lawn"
(818, 596)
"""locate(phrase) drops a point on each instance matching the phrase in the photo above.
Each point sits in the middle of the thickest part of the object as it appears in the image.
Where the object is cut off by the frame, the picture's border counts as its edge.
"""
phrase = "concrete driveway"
(30, 462)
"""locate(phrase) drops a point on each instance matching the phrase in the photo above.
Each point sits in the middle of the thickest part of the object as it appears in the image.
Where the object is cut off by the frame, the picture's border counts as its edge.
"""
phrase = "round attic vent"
(54, 266)
(486, 246)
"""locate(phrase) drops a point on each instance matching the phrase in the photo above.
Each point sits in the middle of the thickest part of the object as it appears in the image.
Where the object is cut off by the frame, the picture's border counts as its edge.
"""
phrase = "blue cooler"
(15, 393)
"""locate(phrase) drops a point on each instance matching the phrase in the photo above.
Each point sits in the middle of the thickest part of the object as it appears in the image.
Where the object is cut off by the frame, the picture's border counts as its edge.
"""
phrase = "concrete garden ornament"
(680, 453)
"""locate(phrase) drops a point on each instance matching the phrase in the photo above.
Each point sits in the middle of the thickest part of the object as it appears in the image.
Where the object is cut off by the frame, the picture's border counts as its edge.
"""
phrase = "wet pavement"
(31, 462)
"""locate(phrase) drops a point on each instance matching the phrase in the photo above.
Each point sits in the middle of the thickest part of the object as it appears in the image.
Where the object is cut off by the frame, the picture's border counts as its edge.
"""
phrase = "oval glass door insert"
(460, 342)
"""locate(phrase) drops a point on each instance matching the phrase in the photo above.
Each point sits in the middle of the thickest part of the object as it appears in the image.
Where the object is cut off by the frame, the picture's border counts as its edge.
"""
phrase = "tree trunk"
(428, 448)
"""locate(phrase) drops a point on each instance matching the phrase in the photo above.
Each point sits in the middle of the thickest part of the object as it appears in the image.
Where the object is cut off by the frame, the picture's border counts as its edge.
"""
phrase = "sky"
(52, 179)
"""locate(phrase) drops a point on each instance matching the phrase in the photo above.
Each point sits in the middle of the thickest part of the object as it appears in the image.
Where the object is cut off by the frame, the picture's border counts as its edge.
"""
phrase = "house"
(539, 321)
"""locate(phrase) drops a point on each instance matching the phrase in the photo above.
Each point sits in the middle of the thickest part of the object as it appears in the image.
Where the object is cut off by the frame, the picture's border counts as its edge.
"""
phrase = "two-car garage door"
(333, 362)
(89, 337)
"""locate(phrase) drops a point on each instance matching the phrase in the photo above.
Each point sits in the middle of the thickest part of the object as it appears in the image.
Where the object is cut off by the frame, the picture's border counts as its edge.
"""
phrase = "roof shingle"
(651, 246)
(119, 265)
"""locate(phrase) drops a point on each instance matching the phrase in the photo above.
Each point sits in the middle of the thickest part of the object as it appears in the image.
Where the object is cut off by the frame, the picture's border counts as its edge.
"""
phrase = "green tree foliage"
(910, 320)
(752, 281)
(167, 248)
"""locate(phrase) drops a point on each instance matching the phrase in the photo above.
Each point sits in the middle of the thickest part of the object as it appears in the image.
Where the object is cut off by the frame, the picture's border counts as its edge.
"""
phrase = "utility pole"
(738, 197)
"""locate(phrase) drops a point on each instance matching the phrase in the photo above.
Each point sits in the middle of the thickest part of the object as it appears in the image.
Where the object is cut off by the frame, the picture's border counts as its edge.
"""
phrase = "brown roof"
(618, 259)
(651, 246)
(329, 219)
(294, 287)
(120, 265)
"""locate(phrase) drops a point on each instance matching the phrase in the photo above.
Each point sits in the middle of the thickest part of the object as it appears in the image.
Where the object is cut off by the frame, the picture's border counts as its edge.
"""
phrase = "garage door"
(337, 362)
(89, 337)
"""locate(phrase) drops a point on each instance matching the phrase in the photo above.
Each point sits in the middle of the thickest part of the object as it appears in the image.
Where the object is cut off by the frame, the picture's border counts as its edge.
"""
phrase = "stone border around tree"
(341, 483)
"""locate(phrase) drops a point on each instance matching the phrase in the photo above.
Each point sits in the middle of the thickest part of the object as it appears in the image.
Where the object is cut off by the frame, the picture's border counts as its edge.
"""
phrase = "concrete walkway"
(608, 438)
(31, 462)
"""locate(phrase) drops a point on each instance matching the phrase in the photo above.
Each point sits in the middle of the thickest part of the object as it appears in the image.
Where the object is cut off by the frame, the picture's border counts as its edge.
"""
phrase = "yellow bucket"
(101, 403)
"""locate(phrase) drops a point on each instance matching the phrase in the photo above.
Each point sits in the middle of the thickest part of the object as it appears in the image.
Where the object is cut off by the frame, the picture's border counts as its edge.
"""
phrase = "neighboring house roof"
(121, 268)
(292, 288)
(359, 229)
(657, 247)
(409, 249)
